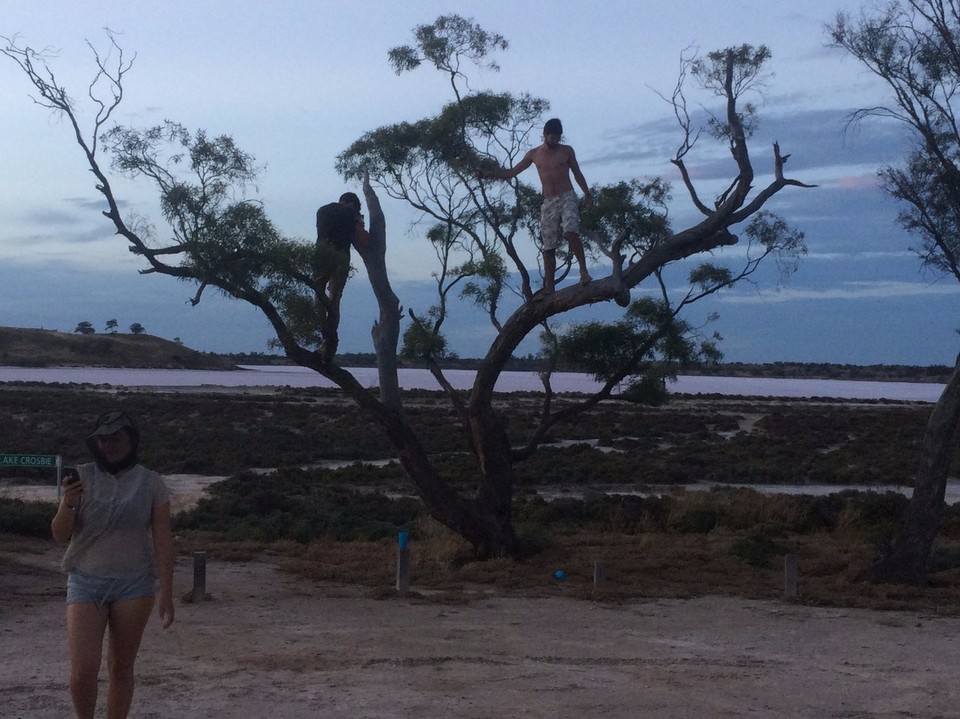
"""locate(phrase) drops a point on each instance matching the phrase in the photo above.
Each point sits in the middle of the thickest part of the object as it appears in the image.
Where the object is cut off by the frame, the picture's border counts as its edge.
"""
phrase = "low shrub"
(297, 505)
(29, 519)
(758, 549)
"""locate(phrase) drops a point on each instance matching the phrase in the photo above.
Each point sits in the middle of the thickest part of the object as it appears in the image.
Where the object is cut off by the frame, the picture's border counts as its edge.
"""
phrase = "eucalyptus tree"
(479, 231)
(914, 48)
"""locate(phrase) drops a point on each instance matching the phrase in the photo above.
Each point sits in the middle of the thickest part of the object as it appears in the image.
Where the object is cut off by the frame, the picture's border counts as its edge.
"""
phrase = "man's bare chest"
(553, 163)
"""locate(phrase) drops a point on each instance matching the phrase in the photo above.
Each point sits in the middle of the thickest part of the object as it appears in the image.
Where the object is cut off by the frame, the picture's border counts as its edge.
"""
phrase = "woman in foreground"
(115, 514)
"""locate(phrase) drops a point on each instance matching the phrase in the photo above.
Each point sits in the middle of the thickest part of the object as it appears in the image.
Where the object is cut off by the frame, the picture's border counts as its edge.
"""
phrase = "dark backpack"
(336, 224)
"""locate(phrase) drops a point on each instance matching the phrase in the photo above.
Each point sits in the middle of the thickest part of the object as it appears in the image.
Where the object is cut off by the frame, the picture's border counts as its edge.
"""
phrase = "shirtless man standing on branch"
(554, 163)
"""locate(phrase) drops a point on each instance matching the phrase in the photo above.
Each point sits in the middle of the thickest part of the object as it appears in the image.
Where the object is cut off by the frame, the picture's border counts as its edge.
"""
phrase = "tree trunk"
(486, 522)
(495, 491)
(386, 330)
(485, 525)
(907, 562)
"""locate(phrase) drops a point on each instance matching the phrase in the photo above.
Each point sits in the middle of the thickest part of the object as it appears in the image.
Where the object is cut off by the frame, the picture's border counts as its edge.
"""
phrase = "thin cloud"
(47, 216)
(815, 140)
(846, 291)
(86, 204)
(856, 256)
(856, 182)
(69, 210)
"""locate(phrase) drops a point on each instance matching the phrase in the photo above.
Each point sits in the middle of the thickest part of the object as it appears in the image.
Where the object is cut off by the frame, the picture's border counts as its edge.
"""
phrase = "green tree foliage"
(912, 47)
(220, 241)
(137, 329)
(643, 345)
(484, 230)
(85, 327)
(447, 43)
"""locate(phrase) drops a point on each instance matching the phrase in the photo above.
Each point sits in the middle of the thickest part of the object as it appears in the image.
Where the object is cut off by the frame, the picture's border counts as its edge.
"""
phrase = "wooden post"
(199, 576)
(403, 563)
(599, 573)
(790, 576)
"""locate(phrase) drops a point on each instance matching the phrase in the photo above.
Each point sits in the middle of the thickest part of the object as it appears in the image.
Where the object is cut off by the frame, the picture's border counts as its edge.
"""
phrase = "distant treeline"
(30, 347)
(783, 370)
(824, 370)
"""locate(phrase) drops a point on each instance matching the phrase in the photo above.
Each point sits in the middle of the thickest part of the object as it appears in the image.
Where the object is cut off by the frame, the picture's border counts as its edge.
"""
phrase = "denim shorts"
(105, 590)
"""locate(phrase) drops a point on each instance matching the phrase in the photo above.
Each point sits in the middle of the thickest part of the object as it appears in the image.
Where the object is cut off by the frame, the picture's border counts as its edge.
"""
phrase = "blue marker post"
(403, 562)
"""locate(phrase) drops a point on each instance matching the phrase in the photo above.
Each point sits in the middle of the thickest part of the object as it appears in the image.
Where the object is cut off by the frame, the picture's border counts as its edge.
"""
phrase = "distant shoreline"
(266, 377)
(47, 349)
(938, 374)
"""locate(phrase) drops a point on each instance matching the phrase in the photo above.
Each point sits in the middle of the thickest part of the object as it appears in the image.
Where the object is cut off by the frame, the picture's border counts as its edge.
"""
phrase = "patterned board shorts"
(556, 211)
(105, 590)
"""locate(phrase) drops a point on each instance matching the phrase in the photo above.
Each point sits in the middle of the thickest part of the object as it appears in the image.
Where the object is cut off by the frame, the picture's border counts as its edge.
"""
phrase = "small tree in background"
(85, 328)
(137, 329)
(112, 326)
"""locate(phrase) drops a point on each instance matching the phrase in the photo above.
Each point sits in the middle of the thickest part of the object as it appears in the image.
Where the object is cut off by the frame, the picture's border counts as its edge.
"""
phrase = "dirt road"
(270, 645)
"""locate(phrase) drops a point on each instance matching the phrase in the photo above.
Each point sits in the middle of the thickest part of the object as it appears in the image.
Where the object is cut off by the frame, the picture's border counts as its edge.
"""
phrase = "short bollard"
(790, 576)
(199, 576)
(403, 562)
(599, 574)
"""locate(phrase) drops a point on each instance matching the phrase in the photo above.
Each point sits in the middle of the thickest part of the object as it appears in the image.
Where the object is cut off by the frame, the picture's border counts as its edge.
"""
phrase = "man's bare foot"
(542, 292)
(585, 278)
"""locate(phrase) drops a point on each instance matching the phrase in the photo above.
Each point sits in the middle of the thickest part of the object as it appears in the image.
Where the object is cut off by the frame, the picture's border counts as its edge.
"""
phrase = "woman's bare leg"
(127, 620)
(86, 622)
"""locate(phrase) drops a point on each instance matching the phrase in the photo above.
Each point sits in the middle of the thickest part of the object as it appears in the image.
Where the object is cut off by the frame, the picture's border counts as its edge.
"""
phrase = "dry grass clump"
(657, 565)
(673, 555)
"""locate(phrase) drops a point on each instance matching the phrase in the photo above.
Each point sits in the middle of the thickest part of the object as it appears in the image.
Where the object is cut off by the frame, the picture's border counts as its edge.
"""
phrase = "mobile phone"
(70, 475)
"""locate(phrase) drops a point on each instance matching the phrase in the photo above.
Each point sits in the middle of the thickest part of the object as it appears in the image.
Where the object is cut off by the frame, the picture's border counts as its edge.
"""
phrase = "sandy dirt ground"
(270, 645)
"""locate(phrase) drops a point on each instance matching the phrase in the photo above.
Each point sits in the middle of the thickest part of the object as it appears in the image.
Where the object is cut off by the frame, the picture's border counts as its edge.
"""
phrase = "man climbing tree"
(339, 227)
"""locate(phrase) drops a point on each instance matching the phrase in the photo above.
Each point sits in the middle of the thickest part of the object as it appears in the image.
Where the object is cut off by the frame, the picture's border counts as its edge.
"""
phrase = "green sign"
(29, 460)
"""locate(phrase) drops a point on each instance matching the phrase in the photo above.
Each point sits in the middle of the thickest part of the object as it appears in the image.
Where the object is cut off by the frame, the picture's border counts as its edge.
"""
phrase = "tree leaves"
(446, 43)
(649, 342)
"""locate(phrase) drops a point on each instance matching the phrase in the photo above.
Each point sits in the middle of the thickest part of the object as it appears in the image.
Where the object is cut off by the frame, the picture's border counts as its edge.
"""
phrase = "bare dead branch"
(691, 190)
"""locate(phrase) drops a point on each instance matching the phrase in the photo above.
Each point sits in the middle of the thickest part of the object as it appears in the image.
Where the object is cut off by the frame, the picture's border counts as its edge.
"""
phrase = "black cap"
(113, 422)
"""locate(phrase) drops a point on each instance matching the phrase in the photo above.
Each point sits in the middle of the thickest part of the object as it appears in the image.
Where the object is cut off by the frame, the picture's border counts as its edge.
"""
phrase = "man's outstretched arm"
(502, 174)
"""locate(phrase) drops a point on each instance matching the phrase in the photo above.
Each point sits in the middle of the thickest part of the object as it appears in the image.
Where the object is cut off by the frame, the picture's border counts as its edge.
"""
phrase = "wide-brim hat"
(113, 422)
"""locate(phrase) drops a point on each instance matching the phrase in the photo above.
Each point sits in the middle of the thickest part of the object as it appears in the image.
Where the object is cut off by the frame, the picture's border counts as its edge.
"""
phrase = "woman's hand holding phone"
(72, 487)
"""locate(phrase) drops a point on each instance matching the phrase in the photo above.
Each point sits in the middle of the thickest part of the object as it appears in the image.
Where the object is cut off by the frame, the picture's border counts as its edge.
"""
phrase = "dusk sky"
(296, 82)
